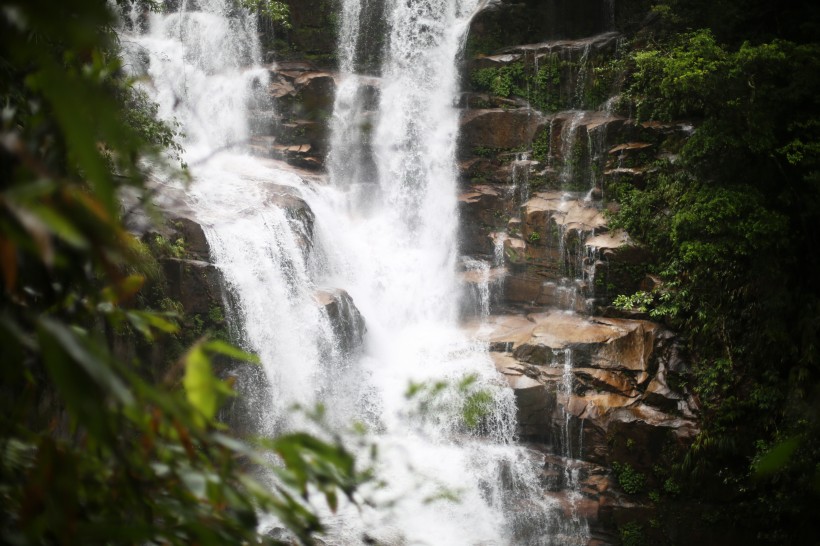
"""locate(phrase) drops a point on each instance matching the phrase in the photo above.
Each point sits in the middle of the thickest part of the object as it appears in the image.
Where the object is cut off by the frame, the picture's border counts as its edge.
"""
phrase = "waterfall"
(384, 231)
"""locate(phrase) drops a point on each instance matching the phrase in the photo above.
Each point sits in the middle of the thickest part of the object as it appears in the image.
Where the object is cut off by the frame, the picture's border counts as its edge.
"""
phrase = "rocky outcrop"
(290, 123)
(557, 248)
(345, 319)
(498, 128)
(515, 22)
(609, 377)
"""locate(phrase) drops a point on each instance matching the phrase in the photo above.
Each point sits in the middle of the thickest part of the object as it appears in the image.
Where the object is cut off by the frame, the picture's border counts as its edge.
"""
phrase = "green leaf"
(87, 355)
(776, 458)
(60, 226)
(144, 321)
(200, 383)
(226, 349)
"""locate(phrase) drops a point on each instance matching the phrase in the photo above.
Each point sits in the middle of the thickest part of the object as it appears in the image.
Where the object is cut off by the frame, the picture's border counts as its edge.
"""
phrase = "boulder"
(347, 322)
(299, 214)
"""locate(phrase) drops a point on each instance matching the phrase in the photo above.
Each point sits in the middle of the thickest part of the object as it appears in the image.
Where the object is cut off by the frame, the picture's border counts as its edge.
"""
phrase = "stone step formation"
(539, 155)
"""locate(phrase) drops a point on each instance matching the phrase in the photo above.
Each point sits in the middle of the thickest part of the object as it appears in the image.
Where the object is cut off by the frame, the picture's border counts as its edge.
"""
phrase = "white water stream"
(383, 230)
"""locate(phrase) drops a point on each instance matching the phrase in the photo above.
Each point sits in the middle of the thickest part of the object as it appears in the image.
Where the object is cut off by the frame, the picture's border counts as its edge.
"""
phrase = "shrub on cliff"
(732, 225)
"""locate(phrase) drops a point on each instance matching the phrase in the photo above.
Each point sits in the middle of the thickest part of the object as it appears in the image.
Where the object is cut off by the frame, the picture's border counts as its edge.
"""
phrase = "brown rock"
(193, 283)
(347, 322)
(482, 209)
(497, 128)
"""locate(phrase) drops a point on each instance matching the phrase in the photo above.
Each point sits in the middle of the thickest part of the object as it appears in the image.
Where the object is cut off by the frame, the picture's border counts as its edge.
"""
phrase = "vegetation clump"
(730, 225)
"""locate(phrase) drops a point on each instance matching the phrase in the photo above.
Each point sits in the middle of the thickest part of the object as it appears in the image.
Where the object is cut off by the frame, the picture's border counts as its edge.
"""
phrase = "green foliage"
(545, 84)
(639, 301)
(163, 248)
(631, 481)
(632, 534)
(216, 315)
(483, 151)
(94, 448)
(676, 79)
(477, 406)
(541, 146)
(729, 229)
(275, 12)
(503, 81)
(141, 113)
(466, 399)
(671, 487)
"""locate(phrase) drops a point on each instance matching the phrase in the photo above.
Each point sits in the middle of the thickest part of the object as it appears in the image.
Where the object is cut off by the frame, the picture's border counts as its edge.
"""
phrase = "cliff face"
(542, 144)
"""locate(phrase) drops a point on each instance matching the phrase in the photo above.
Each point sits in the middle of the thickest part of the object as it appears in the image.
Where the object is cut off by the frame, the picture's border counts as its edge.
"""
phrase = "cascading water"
(384, 230)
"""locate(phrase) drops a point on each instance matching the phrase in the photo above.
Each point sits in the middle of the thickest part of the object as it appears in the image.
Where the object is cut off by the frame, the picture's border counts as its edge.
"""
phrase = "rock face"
(289, 122)
(498, 128)
(601, 393)
(513, 22)
(603, 390)
(617, 374)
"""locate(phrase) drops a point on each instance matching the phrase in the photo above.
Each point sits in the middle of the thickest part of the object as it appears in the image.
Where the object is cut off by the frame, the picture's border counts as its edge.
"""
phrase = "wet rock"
(619, 380)
(292, 124)
(582, 135)
(484, 101)
(482, 209)
(315, 92)
(497, 129)
(552, 213)
(196, 244)
(195, 284)
(603, 44)
(347, 322)
(532, 397)
(603, 381)
(516, 22)
(612, 240)
(634, 176)
(515, 250)
(300, 216)
(480, 285)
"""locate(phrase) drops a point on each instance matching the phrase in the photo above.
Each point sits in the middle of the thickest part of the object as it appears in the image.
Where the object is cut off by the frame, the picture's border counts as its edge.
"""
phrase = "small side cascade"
(498, 248)
(583, 75)
(569, 445)
(572, 150)
(477, 281)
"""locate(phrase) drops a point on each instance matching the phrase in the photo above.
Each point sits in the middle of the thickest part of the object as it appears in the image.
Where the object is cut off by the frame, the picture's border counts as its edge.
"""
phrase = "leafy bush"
(94, 449)
(630, 480)
(631, 534)
(727, 226)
